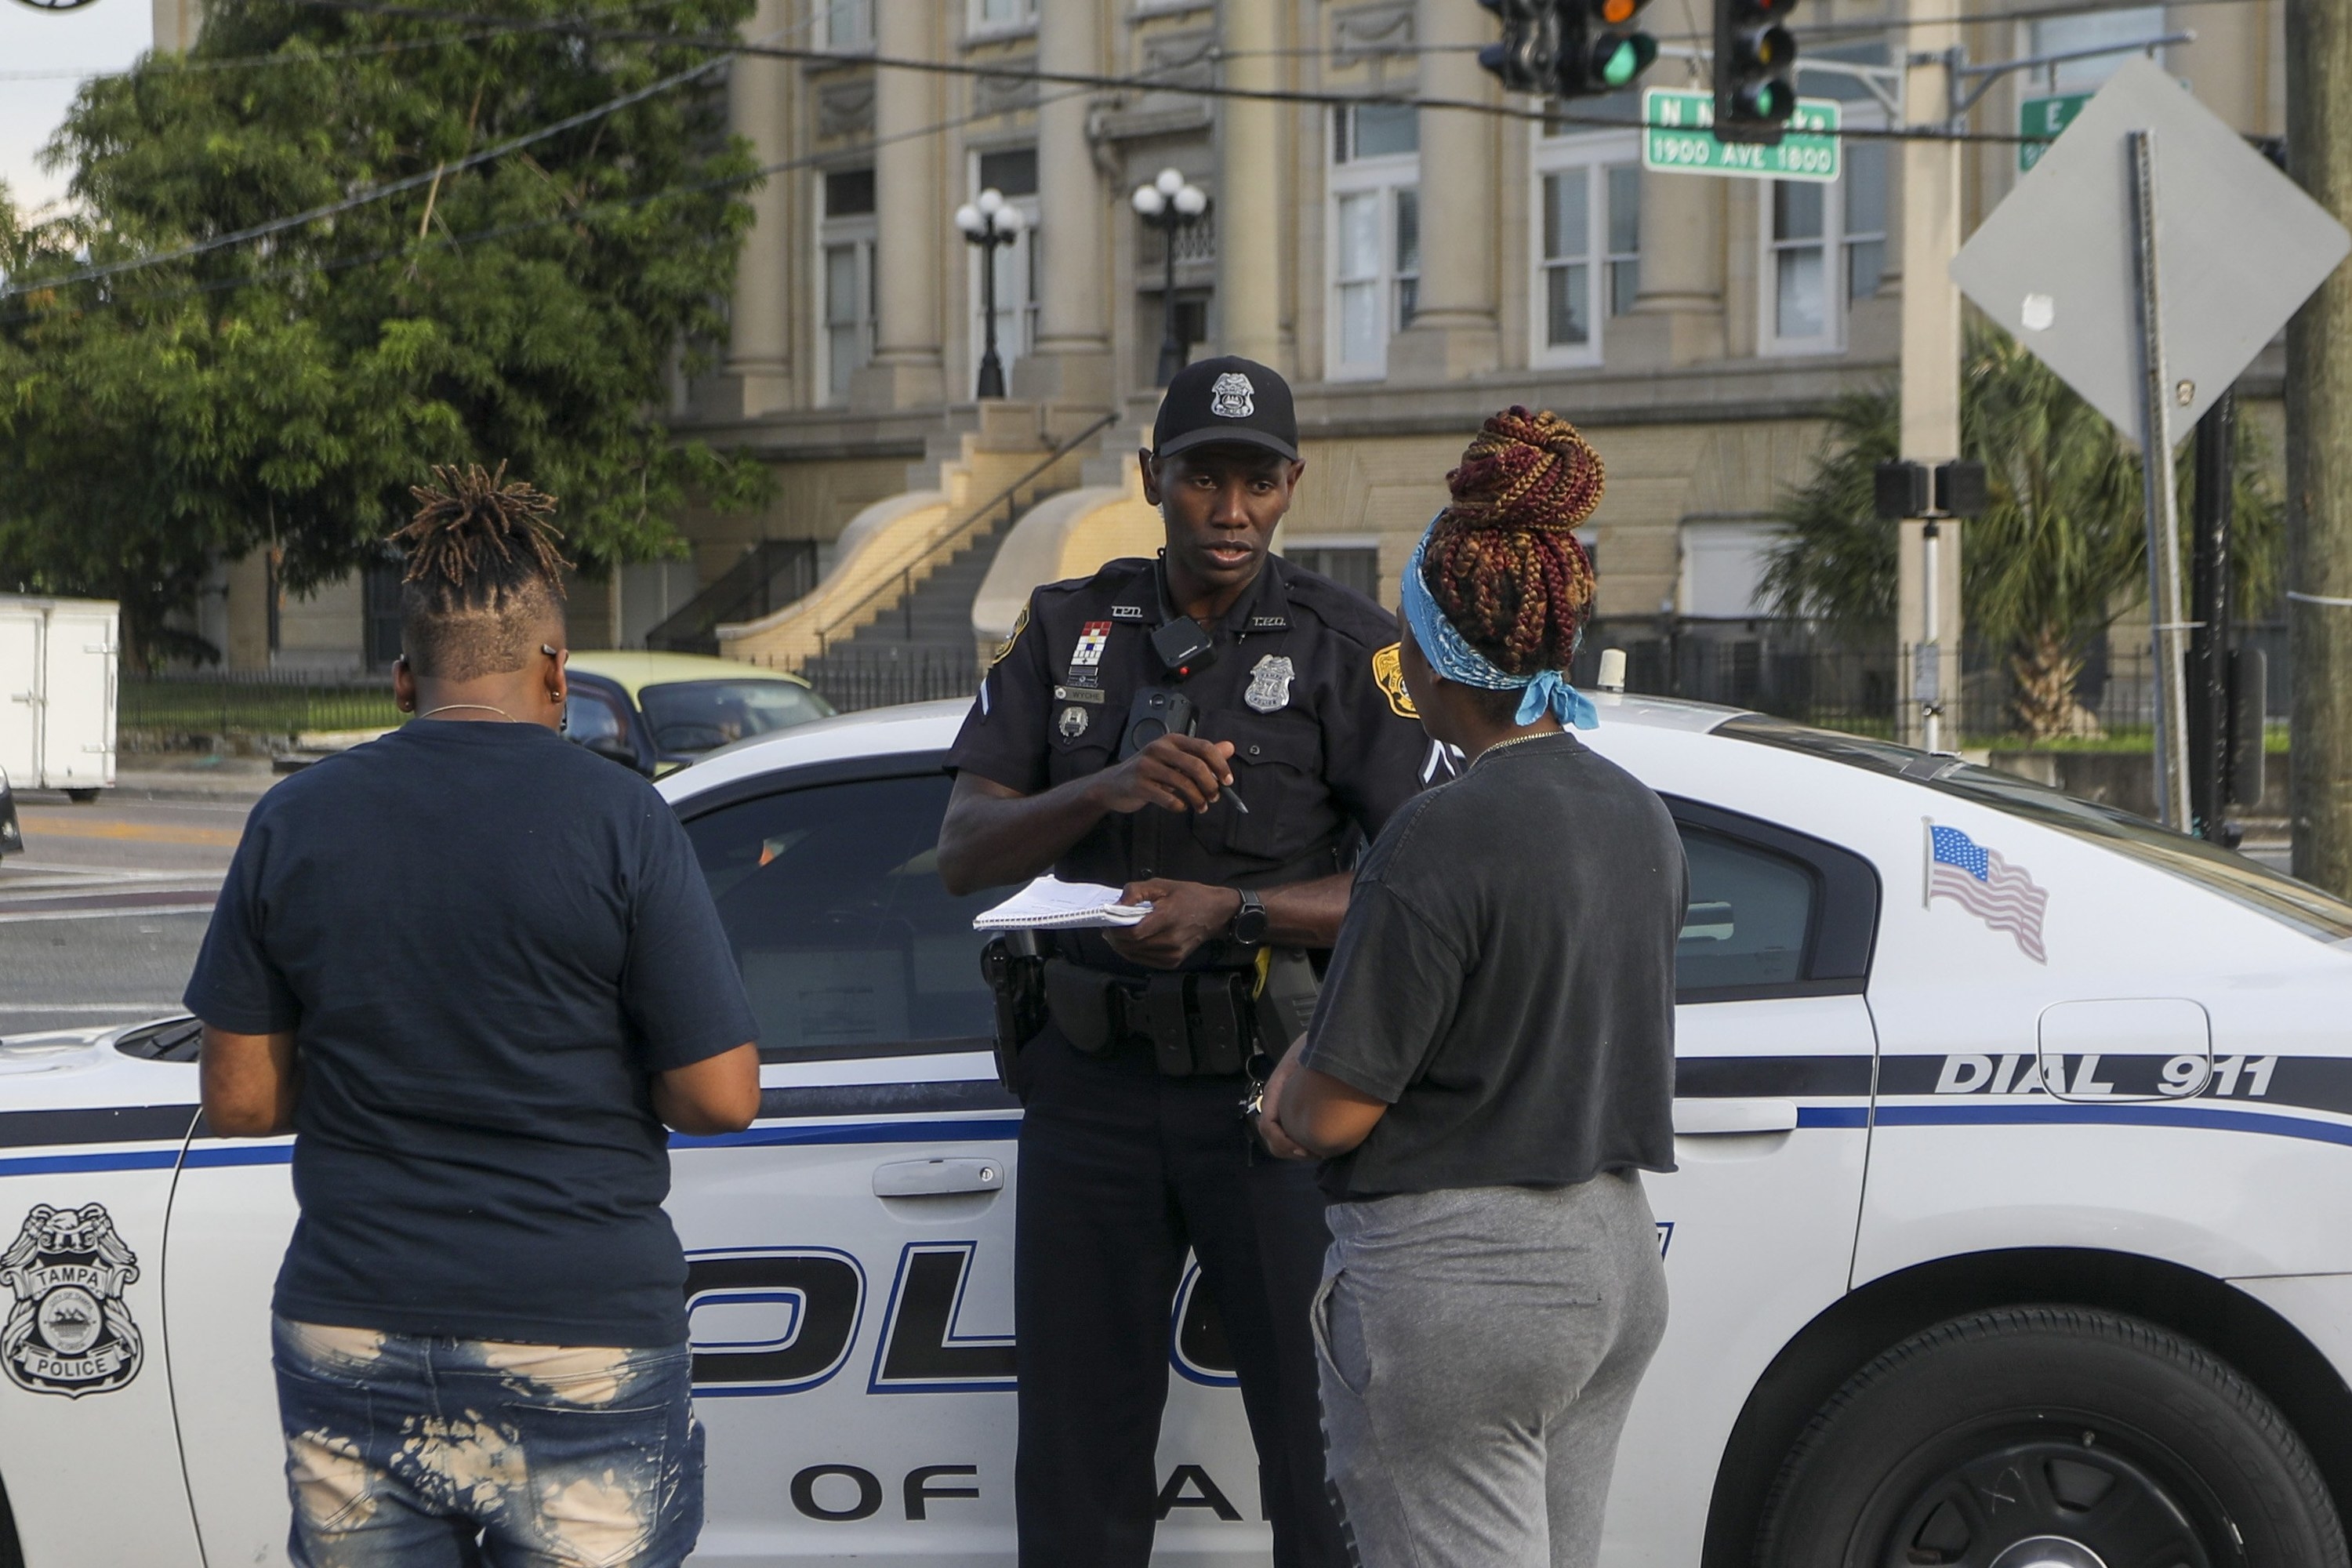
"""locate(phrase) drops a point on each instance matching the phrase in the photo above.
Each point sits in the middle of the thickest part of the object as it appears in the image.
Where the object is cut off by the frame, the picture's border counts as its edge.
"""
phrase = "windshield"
(2223, 871)
(703, 715)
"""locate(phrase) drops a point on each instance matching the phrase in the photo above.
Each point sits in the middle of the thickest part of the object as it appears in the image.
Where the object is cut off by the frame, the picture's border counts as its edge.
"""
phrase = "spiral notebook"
(1051, 904)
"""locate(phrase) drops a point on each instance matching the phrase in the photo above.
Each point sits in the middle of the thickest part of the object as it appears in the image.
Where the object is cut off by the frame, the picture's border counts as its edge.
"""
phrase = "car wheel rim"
(2002, 1499)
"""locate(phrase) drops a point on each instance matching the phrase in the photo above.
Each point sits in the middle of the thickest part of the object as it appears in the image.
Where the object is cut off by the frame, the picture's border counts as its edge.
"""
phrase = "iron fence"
(853, 679)
(1796, 671)
(248, 709)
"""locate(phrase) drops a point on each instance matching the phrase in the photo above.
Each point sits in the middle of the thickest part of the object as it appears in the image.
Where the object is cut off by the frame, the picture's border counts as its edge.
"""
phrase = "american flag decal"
(1988, 886)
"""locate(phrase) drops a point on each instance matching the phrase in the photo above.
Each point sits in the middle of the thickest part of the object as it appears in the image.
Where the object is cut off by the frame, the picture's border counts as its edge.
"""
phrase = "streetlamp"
(988, 222)
(1169, 204)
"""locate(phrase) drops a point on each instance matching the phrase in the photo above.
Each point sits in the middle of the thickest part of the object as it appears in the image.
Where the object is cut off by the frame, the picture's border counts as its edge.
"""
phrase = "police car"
(2014, 1225)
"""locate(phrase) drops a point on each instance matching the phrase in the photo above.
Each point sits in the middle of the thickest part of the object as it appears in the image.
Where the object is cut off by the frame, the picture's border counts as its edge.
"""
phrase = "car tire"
(2057, 1436)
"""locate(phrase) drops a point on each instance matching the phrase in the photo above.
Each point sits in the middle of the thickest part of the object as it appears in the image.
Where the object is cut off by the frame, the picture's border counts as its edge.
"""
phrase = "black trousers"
(1122, 1170)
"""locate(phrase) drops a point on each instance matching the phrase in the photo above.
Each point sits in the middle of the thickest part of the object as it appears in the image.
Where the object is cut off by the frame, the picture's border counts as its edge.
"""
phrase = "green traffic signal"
(1618, 59)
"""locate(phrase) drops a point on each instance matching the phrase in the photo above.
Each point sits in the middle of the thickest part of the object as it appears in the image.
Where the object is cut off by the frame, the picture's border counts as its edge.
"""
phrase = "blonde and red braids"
(1501, 561)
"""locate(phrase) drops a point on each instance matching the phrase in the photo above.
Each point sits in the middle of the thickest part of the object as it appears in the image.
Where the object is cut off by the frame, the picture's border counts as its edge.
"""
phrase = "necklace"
(1514, 741)
(486, 708)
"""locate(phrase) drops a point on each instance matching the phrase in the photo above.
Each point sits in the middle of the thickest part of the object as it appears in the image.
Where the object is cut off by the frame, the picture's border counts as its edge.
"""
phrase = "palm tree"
(2061, 549)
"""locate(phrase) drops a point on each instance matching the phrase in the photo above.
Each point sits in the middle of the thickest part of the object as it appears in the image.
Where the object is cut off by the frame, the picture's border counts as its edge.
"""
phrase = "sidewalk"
(154, 776)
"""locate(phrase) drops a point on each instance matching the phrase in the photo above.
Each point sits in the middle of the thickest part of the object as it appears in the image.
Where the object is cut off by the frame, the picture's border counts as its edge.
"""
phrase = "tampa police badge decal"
(1387, 669)
(1232, 397)
(1269, 687)
(69, 1332)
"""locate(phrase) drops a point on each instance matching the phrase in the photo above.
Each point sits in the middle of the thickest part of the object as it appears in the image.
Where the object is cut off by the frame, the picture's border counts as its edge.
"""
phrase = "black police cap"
(1228, 401)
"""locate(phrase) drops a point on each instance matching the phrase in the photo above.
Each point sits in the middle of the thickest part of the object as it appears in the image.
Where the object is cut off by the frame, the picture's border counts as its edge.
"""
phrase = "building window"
(1013, 174)
(1588, 243)
(1824, 249)
(1723, 565)
(848, 24)
(1375, 246)
(1001, 15)
(2090, 30)
(846, 280)
(1350, 562)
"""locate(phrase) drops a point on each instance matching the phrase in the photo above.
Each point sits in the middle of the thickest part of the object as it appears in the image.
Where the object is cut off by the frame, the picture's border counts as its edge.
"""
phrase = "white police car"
(2013, 1227)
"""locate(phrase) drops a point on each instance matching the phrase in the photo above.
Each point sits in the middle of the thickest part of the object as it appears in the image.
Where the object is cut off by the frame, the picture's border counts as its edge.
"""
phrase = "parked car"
(655, 711)
(2013, 1226)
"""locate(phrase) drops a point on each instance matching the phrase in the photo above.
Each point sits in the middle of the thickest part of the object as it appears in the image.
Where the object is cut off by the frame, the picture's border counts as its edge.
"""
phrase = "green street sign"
(2045, 117)
(1678, 136)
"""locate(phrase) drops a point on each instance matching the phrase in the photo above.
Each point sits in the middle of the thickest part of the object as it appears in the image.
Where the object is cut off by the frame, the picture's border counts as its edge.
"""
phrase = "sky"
(43, 56)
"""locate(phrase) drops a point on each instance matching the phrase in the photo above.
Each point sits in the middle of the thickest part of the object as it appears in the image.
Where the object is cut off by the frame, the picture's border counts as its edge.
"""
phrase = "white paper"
(1051, 904)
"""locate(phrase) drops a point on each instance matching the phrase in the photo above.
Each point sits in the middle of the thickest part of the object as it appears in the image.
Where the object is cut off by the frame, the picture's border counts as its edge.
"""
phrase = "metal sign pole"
(2167, 629)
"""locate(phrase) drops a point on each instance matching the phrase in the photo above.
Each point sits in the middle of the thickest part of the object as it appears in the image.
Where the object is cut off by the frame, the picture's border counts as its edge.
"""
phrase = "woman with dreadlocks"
(1491, 1065)
(474, 969)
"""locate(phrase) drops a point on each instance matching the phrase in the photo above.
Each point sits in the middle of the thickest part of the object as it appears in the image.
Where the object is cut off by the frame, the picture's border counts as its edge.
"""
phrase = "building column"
(759, 348)
(1453, 331)
(910, 214)
(1072, 361)
(1677, 316)
(1249, 187)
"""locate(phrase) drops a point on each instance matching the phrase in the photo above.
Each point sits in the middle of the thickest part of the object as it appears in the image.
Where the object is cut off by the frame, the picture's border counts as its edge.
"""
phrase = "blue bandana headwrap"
(1545, 692)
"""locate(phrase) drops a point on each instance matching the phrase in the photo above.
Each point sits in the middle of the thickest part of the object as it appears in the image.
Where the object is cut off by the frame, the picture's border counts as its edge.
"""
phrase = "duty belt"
(1199, 1024)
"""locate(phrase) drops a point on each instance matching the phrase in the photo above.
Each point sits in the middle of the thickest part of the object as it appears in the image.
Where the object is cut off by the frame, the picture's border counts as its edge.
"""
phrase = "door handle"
(937, 1178)
(1723, 1117)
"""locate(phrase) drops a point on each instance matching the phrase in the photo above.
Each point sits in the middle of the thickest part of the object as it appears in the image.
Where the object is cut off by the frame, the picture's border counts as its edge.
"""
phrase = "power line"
(1098, 81)
(585, 212)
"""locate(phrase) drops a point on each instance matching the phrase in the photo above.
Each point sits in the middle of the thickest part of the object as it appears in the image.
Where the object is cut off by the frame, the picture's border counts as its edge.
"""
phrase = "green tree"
(2060, 552)
(284, 393)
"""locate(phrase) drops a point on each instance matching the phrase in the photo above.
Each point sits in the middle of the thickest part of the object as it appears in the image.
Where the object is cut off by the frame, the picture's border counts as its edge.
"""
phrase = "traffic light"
(1528, 59)
(1569, 49)
(1755, 70)
(1615, 52)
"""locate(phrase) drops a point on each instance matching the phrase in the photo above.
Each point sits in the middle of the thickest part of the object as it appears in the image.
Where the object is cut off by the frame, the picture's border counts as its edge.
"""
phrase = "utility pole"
(2320, 457)
(1928, 705)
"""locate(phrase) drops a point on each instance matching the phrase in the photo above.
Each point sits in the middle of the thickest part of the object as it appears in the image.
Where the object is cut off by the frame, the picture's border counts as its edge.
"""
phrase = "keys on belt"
(1193, 1025)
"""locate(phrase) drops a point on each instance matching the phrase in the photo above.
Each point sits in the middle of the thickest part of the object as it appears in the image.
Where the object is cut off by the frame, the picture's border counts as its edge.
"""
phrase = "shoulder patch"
(1020, 624)
(1388, 669)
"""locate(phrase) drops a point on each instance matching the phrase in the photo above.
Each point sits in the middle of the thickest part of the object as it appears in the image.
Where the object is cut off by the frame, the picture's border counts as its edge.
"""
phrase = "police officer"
(1217, 731)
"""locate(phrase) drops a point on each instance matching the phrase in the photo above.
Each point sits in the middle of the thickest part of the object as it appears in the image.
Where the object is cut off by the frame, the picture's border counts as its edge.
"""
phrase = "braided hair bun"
(1501, 561)
(483, 573)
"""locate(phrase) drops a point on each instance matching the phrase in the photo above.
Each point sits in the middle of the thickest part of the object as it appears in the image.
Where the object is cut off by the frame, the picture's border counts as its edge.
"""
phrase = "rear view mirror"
(616, 747)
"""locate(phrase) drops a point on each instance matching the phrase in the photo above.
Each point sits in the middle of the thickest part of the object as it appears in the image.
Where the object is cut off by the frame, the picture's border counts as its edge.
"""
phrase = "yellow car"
(655, 711)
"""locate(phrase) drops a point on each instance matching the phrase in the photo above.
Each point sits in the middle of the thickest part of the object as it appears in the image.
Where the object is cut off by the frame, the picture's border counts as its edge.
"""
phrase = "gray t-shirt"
(1506, 980)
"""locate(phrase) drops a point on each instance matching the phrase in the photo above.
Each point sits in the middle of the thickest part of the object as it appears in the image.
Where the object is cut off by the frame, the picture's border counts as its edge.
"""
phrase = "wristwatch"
(1250, 922)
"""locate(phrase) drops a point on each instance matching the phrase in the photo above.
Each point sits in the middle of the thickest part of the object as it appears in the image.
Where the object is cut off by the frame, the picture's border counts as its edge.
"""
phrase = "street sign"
(2239, 249)
(1679, 137)
(2045, 117)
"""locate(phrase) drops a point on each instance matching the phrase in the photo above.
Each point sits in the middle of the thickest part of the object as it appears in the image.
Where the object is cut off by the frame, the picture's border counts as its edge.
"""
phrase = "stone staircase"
(893, 621)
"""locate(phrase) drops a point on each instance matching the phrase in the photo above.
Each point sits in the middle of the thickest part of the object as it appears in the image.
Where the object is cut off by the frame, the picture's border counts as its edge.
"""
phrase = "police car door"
(1774, 1055)
(851, 1254)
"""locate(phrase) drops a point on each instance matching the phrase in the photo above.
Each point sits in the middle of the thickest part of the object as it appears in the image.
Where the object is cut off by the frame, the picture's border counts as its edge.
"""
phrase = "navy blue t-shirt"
(486, 941)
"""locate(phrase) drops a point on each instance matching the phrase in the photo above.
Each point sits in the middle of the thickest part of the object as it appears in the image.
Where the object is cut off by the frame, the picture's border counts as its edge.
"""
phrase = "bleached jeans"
(406, 1452)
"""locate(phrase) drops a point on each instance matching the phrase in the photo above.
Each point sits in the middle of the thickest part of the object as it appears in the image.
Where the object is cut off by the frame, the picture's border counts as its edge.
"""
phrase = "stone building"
(1411, 271)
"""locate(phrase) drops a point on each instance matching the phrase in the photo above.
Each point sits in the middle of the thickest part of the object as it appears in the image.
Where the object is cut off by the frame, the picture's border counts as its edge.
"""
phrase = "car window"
(1749, 914)
(847, 942)
(589, 715)
(703, 715)
(2234, 876)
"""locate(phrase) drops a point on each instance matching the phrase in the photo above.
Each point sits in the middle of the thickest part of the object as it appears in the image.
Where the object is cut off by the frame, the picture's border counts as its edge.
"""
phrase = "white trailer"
(58, 663)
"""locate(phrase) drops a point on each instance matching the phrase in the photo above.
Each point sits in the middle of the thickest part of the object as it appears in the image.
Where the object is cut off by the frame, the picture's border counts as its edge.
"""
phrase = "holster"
(1013, 965)
(1286, 999)
(1198, 1024)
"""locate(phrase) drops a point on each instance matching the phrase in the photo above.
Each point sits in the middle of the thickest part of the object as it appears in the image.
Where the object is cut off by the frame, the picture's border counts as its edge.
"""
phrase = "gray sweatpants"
(1479, 1350)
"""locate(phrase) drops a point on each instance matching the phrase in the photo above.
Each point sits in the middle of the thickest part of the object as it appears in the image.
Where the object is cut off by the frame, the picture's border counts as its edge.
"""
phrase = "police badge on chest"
(1269, 687)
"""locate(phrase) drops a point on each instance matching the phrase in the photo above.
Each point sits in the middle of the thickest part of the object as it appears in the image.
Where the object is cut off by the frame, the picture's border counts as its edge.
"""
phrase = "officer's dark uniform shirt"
(1305, 684)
